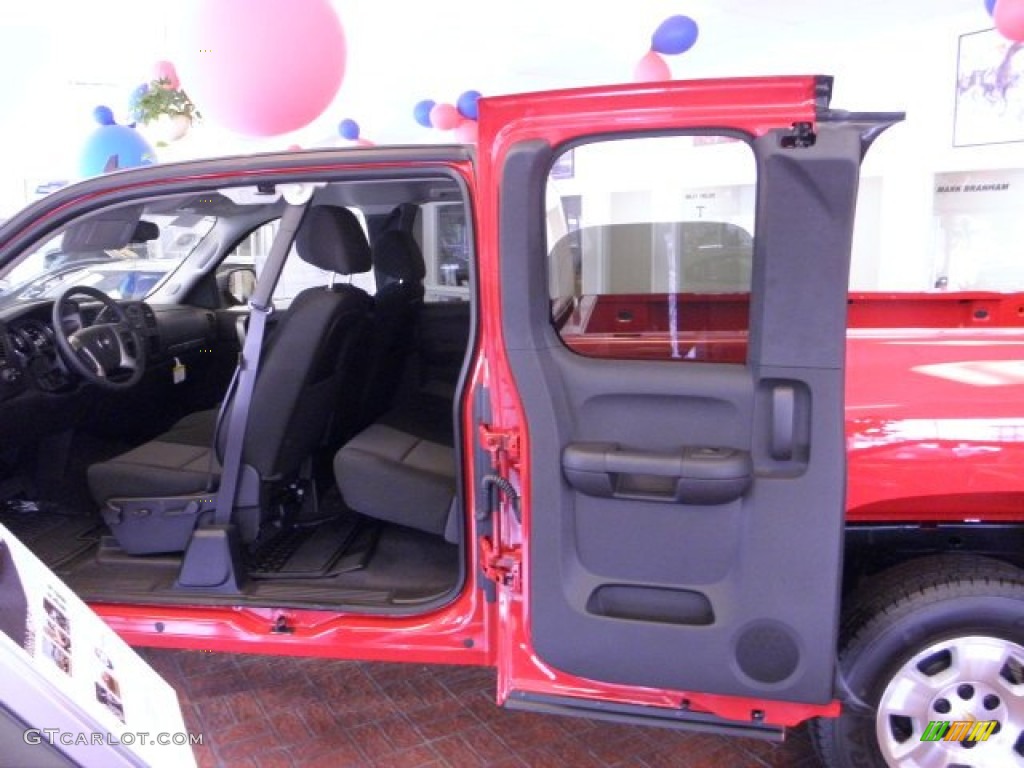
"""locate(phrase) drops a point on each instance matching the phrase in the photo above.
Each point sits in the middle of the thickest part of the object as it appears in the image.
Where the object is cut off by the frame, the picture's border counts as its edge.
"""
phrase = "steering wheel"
(111, 355)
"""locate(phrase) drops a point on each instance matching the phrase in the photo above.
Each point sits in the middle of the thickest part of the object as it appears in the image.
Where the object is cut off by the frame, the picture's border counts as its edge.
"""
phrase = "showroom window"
(444, 237)
(124, 252)
(441, 231)
(650, 247)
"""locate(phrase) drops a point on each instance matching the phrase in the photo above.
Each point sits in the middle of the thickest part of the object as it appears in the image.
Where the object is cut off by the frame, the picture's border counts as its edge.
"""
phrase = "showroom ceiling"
(401, 52)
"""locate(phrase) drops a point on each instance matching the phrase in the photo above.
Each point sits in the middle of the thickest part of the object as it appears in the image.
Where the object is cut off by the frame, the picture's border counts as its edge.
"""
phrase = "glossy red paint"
(754, 106)
(456, 634)
(952, 452)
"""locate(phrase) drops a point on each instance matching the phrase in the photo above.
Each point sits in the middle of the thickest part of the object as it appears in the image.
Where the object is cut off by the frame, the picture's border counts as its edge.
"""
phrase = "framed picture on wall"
(989, 107)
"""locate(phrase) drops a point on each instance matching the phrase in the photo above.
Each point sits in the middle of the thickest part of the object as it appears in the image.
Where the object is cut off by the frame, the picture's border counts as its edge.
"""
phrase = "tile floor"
(265, 712)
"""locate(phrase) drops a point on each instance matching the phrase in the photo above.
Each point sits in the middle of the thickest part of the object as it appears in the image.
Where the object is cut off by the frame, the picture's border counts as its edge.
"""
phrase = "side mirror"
(144, 232)
(240, 284)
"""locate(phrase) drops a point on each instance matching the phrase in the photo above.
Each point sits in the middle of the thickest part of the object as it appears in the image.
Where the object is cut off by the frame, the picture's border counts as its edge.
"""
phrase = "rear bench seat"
(402, 467)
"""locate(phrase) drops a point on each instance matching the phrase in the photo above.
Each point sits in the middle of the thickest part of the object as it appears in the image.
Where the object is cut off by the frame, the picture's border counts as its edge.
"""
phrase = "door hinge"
(501, 566)
(503, 447)
(500, 443)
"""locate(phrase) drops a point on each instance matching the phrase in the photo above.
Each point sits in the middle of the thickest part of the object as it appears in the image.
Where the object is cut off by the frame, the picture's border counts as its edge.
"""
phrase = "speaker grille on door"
(767, 652)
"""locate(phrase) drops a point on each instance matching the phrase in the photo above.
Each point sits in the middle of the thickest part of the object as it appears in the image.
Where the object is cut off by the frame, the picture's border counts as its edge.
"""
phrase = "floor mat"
(339, 545)
(53, 533)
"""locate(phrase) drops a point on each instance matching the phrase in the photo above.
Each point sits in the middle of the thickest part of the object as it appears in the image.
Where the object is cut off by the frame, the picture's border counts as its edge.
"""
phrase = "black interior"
(101, 484)
(307, 366)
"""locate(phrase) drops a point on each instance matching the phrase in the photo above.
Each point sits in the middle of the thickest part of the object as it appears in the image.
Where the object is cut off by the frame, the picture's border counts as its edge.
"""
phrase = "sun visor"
(106, 230)
(258, 195)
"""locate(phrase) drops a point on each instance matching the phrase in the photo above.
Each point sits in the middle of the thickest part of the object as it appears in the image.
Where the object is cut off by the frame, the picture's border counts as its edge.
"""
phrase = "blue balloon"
(421, 112)
(112, 147)
(349, 129)
(676, 34)
(467, 104)
(990, 6)
(103, 115)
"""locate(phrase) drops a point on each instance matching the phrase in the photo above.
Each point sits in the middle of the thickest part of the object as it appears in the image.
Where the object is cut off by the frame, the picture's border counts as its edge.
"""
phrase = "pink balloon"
(261, 67)
(652, 67)
(444, 117)
(466, 132)
(1008, 16)
(364, 143)
(164, 70)
(294, 148)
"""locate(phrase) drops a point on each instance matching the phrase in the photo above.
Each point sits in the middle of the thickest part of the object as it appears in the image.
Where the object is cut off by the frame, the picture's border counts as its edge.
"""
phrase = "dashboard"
(31, 363)
(30, 351)
(29, 359)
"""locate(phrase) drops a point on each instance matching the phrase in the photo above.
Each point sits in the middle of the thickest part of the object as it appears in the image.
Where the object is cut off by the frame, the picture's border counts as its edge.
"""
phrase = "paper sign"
(58, 649)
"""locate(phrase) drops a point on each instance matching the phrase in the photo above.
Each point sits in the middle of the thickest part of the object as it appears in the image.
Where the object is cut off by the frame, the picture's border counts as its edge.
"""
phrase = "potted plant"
(165, 109)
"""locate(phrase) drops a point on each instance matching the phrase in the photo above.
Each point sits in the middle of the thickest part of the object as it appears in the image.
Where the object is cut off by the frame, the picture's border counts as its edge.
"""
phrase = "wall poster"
(989, 90)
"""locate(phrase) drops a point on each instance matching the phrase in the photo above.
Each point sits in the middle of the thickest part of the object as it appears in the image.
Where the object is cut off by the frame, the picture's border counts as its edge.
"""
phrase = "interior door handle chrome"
(783, 422)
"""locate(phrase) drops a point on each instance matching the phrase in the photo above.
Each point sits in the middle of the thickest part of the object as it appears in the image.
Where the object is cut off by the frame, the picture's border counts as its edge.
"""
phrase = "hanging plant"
(159, 98)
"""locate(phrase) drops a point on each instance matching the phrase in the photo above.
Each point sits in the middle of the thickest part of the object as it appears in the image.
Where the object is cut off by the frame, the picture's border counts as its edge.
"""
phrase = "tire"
(937, 638)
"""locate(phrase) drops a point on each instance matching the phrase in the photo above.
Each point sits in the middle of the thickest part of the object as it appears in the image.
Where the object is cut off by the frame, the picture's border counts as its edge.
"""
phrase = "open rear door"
(670, 270)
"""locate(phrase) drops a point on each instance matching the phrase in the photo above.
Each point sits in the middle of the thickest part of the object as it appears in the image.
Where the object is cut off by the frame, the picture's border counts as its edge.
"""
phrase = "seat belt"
(260, 307)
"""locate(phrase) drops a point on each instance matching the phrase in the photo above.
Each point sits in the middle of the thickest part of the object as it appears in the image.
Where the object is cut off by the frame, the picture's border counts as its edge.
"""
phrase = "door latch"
(499, 562)
(802, 136)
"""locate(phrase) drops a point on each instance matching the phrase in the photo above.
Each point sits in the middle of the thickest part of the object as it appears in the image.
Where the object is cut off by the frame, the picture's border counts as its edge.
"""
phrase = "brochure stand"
(73, 693)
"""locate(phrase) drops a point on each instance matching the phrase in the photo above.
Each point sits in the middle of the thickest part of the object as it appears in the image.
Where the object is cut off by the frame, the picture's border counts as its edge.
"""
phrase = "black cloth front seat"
(313, 354)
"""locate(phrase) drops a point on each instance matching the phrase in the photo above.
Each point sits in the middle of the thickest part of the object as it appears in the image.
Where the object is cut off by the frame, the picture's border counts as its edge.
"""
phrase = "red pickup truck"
(591, 404)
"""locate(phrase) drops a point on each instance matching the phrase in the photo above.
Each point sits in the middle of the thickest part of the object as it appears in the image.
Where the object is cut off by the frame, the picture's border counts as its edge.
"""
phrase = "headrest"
(402, 217)
(332, 238)
(397, 259)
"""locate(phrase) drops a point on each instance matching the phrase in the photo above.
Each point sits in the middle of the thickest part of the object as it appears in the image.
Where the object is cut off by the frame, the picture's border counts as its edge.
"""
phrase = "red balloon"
(164, 70)
(466, 132)
(444, 117)
(1009, 19)
(652, 67)
(261, 67)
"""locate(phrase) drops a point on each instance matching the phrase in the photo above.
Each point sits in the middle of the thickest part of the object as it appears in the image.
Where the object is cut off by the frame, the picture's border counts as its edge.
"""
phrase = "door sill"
(635, 714)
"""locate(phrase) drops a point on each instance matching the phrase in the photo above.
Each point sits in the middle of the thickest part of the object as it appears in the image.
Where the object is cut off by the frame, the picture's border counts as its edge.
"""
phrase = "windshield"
(157, 246)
